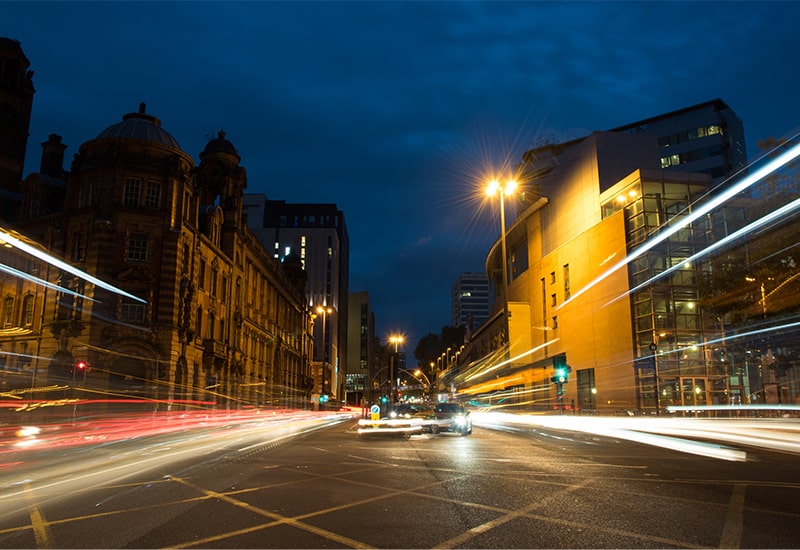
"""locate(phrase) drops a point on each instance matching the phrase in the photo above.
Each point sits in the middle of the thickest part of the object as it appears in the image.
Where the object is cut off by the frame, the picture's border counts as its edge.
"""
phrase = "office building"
(470, 301)
(316, 235)
(584, 335)
(707, 138)
(359, 366)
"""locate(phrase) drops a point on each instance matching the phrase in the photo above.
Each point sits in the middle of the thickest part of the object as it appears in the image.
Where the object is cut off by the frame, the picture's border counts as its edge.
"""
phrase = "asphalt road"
(517, 487)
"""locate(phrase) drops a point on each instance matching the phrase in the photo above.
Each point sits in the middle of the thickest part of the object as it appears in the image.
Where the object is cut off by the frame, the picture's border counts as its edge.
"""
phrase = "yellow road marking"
(732, 531)
(41, 530)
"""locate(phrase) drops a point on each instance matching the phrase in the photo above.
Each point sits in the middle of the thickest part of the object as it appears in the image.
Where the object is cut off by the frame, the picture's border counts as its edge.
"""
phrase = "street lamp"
(324, 311)
(419, 372)
(395, 339)
(502, 190)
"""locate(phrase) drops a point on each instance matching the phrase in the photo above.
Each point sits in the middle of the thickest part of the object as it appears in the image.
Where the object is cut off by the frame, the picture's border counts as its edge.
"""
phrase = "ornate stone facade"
(209, 316)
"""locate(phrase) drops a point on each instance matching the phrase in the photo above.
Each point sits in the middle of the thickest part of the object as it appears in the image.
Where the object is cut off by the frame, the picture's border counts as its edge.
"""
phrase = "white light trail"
(52, 260)
(666, 232)
(509, 361)
(42, 282)
(784, 210)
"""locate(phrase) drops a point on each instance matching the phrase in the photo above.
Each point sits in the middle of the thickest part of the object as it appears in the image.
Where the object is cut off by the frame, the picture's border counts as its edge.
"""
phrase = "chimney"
(53, 157)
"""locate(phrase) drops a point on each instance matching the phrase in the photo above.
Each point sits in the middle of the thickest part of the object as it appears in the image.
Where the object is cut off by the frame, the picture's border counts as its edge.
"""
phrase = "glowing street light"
(502, 190)
(395, 339)
(324, 311)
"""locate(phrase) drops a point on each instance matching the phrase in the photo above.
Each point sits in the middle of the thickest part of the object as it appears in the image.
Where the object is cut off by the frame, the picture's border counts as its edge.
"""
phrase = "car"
(404, 420)
(412, 410)
(451, 417)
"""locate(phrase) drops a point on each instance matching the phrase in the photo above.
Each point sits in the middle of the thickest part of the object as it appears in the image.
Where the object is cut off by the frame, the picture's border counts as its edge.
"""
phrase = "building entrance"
(694, 391)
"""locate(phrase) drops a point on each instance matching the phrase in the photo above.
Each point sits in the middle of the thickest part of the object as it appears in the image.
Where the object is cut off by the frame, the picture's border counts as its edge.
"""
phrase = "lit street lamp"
(393, 371)
(502, 190)
(428, 385)
(324, 311)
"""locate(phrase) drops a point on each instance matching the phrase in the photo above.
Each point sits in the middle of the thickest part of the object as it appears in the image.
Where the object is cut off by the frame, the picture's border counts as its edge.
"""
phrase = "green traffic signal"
(562, 370)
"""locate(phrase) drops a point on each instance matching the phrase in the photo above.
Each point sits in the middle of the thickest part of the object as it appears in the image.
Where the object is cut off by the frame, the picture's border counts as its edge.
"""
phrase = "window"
(152, 197)
(567, 292)
(132, 311)
(553, 301)
(185, 265)
(187, 206)
(27, 310)
(78, 248)
(8, 311)
(34, 205)
(132, 192)
(201, 274)
(137, 247)
(199, 322)
(552, 277)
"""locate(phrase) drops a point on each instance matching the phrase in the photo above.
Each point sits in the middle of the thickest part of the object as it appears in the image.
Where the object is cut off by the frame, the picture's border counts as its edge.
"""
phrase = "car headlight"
(460, 420)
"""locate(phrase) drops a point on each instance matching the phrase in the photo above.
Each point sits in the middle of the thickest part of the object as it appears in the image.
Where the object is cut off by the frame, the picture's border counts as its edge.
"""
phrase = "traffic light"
(384, 399)
(80, 364)
(323, 398)
(561, 370)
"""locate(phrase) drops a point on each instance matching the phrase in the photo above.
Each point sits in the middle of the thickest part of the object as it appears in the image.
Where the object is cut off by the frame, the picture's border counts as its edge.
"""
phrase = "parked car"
(451, 417)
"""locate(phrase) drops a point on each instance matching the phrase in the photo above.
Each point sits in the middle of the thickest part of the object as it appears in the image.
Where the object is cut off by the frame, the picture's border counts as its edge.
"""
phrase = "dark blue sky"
(396, 111)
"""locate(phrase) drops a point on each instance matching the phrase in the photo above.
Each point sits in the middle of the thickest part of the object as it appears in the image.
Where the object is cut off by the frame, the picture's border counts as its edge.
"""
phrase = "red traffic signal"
(81, 365)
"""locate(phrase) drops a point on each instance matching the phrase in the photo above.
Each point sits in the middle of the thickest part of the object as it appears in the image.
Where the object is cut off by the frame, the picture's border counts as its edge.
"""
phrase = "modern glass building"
(596, 320)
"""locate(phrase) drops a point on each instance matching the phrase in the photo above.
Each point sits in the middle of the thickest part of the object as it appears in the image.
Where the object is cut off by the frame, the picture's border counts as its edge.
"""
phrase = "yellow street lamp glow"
(495, 186)
(503, 190)
(396, 340)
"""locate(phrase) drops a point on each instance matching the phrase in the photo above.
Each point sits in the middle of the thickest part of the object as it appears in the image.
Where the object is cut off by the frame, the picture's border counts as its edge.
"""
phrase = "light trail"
(668, 433)
(678, 223)
(482, 372)
(784, 210)
(42, 282)
(52, 260)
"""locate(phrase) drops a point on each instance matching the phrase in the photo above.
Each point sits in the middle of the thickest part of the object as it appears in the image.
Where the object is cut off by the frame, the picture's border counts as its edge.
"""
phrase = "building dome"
(220, 145)
(140, 126)
(221, 148)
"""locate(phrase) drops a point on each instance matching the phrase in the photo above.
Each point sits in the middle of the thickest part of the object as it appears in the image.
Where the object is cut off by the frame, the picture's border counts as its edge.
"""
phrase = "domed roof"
(221, 146)
(140, 126)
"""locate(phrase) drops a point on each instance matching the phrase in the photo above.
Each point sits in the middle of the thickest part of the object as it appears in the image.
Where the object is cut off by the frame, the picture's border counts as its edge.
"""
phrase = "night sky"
(398, 111)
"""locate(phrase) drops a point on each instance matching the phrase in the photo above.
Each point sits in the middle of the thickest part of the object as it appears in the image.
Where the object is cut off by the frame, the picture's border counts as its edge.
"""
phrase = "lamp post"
(419, 372)
(324, 311)
(502, 190)
(395, 339)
